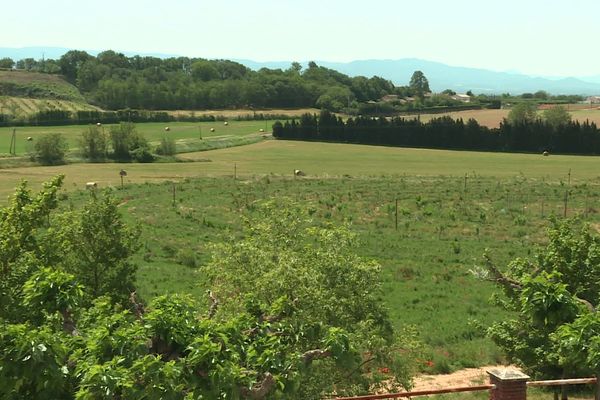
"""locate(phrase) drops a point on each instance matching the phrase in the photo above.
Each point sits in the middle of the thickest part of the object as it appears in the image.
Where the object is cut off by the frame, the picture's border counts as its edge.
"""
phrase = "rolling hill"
(18, 83)
(25, 93)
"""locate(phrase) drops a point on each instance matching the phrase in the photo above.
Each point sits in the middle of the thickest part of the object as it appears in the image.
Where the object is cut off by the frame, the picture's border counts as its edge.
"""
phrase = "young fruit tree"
(312, 273)
(554, 331)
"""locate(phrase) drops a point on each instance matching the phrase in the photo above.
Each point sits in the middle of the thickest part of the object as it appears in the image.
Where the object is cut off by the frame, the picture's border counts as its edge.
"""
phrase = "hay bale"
(545, 154)
(299, 172)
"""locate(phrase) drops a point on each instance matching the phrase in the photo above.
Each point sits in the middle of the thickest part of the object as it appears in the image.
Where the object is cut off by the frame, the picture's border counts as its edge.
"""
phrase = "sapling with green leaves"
(554, 300)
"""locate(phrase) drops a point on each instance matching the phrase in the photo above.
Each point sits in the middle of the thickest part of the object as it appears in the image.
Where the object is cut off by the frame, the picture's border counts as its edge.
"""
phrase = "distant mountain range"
(459, 79)
(440, 76)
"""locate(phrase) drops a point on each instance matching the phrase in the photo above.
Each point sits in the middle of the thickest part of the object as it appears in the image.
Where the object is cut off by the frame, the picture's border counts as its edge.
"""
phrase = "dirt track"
(464, 377)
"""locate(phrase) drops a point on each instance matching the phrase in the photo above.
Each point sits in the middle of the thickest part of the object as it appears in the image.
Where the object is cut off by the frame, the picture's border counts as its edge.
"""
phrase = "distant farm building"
(465, 98)
(388, 98)
(593, 100)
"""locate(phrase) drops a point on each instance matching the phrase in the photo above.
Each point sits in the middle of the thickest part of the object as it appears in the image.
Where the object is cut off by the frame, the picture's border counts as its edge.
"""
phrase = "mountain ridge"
(442, 76)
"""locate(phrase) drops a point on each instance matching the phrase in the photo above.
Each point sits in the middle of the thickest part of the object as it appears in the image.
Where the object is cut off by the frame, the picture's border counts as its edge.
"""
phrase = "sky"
(535, 37)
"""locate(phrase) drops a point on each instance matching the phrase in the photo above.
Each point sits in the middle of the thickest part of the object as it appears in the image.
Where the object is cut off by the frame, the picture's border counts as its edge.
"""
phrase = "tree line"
(115, 81)
(515, 134)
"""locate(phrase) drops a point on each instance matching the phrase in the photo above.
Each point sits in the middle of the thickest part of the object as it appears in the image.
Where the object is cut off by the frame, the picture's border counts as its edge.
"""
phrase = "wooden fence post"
(396, 212)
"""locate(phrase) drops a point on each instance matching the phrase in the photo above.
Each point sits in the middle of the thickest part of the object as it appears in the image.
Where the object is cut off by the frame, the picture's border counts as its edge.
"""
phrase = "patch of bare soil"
(464, 377)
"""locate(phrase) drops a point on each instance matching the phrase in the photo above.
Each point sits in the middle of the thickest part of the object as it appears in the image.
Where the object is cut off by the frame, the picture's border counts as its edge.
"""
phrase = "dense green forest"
(115, 81)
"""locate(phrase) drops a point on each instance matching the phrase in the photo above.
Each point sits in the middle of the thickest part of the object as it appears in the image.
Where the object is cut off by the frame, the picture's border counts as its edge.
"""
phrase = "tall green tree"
(20, 249)
(523, 113)
(419, 84)
(96, 245)
(71, 62)
(94, 143)
(316, 270)
(126, 140)
(557, 116)
(205, 71)
(7, 62)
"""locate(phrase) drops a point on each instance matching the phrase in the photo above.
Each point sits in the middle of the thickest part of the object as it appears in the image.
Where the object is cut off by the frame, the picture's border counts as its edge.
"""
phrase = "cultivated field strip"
(23, 107)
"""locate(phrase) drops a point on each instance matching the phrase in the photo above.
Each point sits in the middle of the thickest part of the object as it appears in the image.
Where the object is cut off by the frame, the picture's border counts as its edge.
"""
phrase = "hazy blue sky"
(550, 37)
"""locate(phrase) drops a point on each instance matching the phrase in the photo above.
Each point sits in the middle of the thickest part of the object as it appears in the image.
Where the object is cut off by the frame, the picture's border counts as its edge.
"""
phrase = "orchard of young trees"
(292, 312)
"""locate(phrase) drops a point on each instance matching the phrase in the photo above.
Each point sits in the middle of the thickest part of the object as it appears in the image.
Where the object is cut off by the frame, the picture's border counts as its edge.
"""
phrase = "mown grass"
(317, 159)
(182, 132)
(443, 230)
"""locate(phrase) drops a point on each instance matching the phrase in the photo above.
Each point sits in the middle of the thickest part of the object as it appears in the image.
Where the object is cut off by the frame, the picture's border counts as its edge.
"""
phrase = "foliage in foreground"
(315, 271)
(556, 330)
(71, 329)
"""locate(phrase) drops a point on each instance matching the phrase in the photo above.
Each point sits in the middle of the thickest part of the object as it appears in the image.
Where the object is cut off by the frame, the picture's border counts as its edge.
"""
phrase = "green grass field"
(443, 225)
(187, 135)
(443, 230)
(317, 159)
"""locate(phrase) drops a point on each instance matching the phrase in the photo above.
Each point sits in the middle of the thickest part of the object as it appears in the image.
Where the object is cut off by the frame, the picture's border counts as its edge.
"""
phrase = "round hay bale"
(212, 129)
(98, 124)
(261, 130)
(545, 154)
(225, 123)
(29, 138)
(167, 128)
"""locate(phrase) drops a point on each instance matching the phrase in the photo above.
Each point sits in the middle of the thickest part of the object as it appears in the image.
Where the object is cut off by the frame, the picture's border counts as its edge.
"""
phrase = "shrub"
(94, 144)
(51, 149)
(141, 154)
(187, 257)
(167, 146)
(128, 144)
